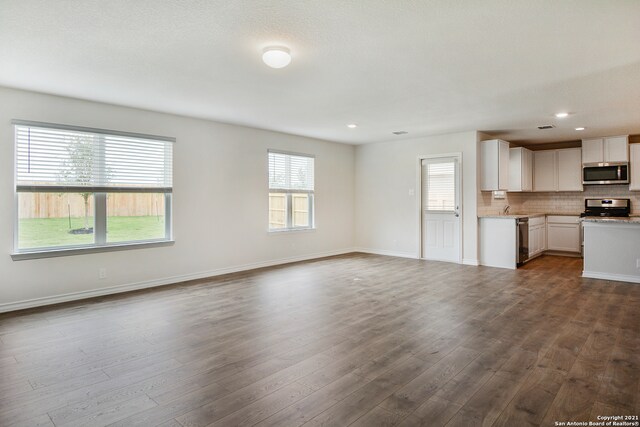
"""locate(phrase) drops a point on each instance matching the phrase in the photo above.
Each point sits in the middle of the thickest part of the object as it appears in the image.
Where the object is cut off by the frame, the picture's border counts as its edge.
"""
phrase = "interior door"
(441, 209)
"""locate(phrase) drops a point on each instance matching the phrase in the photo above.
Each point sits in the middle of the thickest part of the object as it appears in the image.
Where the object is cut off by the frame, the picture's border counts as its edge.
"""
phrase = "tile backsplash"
(556, 202)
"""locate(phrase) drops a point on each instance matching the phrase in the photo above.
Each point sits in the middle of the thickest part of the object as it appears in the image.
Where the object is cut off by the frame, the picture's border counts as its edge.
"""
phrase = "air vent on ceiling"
(400, 132)
(546, 127)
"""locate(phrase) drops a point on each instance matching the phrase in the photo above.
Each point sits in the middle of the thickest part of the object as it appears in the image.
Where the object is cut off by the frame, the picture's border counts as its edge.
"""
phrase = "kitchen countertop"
(527, 215)
(634, 219)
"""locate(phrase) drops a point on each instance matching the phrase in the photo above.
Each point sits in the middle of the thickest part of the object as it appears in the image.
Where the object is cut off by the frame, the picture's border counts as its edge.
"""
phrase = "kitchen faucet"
(505, 211)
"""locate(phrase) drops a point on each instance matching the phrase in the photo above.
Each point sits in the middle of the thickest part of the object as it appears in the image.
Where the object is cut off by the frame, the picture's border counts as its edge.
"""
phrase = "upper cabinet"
(545, 170)
(557, 170)
(520, 169)
(570, 169)
(495, 165)
(634, 184)
(605, 150)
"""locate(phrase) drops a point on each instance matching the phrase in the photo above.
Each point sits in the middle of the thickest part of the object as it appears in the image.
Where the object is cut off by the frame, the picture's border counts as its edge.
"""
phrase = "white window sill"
(292, 230)
(51, 253)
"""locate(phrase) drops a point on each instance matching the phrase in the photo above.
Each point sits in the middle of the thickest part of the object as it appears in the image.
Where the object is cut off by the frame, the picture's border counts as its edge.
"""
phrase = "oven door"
(605, 173)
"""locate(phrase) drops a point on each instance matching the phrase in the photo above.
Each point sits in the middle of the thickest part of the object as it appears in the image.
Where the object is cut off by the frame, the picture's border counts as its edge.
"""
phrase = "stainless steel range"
(607, 207)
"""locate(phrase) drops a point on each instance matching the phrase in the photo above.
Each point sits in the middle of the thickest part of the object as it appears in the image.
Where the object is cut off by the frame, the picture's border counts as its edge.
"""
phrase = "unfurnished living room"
(336, 213)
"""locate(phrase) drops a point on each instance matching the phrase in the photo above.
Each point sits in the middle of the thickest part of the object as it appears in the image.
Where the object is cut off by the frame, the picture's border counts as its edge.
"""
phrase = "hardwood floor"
(359, 340)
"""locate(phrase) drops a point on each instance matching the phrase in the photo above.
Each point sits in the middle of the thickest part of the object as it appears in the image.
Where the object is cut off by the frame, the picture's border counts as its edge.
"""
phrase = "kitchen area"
(572, 199)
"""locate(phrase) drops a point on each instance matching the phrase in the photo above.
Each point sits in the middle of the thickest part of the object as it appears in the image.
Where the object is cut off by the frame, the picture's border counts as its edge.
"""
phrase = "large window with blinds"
(79, 188)
(291, 190)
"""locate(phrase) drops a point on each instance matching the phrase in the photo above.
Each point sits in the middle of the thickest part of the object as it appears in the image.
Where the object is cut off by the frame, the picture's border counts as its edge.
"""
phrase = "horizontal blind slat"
(68, 158)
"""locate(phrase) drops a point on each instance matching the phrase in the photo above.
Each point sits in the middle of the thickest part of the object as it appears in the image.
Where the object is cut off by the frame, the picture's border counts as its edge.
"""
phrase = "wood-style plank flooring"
(358, 340)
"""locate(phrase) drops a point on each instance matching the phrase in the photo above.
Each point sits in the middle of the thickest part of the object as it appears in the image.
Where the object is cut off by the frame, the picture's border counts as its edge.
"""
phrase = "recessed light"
(580, 128)
(276, 56)
(352, 125)
(562, 115)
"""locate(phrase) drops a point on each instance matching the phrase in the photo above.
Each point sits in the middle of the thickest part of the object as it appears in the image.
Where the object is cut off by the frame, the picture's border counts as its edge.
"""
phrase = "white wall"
(386, 215)
(212, 162)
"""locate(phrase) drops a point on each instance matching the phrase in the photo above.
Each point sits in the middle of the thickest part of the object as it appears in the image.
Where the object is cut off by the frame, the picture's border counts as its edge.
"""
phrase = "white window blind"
(291, 172)
(58, 158)
(439, 186)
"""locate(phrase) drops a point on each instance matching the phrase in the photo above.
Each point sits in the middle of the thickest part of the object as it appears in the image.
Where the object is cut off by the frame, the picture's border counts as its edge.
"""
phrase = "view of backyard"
(51, 232)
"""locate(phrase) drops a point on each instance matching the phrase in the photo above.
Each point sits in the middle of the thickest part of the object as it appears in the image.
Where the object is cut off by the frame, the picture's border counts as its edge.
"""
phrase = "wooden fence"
(54, 205)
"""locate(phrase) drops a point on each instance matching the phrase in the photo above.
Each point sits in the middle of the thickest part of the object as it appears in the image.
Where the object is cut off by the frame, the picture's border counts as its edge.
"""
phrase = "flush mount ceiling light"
(580, 128)
(352, 125)
(561, 115)
(276, 56)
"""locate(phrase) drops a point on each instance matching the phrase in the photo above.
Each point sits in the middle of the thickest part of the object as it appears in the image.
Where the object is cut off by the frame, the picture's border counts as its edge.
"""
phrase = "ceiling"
(425, 67)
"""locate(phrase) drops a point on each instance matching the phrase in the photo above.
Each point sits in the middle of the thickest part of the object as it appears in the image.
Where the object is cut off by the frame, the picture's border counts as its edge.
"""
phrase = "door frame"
(457, 154)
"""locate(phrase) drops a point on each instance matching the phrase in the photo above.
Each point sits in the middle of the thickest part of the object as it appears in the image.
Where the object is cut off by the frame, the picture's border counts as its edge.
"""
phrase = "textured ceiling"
(426, 67)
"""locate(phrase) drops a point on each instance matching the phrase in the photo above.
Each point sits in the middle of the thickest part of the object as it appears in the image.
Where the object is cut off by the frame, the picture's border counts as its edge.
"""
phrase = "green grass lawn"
(48, 232)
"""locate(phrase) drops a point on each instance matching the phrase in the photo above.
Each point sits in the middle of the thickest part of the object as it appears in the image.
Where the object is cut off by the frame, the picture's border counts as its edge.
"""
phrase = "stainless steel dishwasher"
(522, 240)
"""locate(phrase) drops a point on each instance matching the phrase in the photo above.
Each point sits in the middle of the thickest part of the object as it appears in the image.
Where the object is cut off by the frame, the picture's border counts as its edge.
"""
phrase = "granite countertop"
(527, 215)
(633, 219)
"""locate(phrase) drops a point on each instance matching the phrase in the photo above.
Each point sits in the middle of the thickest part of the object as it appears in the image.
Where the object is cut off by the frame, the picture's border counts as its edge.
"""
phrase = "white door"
(441, 209)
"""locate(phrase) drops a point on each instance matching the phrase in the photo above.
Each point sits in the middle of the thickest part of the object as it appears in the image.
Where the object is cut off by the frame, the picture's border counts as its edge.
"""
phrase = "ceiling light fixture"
(580, 128)
(352, 125)
(561, 115)
(276, 56)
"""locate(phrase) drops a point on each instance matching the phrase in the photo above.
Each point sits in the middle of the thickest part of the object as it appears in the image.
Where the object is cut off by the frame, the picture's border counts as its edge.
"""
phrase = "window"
(80, 188)
(290, 191)
(440, 185)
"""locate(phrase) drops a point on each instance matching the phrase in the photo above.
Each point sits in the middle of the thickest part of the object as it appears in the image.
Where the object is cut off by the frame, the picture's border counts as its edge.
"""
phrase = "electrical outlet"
(412, 192)
(102, 273)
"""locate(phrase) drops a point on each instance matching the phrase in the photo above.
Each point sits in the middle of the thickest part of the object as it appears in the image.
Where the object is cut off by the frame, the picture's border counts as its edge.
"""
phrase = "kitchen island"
(612, 249)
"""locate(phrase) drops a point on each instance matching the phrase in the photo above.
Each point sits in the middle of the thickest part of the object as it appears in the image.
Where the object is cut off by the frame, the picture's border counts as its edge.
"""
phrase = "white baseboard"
(474, 262)
(386, 253)
(56, 299)
(611, 276)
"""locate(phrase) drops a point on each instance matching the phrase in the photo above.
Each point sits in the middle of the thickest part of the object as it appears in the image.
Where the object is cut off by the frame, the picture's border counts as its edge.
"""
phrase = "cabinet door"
(503, 165)
(563, 237)
(542, 233)
(570, 169)
(495, 165)
(592, 150)
(532, 241)
(544, 170)
(635, 167)
(527, 170)
(515, 169)
(616, 149)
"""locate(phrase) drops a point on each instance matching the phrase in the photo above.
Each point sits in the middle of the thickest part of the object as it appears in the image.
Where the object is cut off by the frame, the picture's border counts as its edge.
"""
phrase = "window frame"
(289, 198)
(100, 213)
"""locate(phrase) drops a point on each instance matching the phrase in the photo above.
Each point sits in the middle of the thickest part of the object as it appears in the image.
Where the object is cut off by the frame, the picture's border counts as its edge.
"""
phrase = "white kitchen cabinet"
(592, 151)
(616, 149)
(544, 170)
(563, 233)
(520, 169)
(569, 163)
(557, 170)
(495, 165)
(537, 234)
(634, 184)
(609, 149)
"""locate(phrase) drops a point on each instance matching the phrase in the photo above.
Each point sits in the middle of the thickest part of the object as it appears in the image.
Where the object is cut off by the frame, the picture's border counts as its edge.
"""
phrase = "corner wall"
(212, 162)
(387, 215)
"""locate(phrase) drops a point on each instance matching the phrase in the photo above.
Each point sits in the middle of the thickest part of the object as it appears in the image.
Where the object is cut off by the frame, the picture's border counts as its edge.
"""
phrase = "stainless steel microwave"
(605, 173)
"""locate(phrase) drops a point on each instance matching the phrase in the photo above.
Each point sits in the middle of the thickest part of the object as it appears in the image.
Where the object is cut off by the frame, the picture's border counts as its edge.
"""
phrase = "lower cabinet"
(563, 233)
(537, 236)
